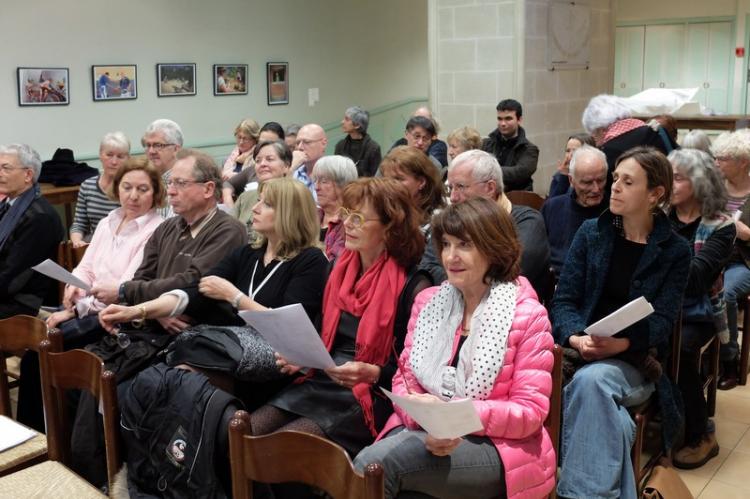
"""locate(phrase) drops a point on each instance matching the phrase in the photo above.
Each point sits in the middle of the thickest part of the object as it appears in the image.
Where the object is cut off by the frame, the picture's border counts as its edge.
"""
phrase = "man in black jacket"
(30, 231)
(508, 143)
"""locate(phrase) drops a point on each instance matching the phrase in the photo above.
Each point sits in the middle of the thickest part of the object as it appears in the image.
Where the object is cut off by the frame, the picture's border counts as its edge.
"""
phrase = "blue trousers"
(598, 432)
(736, 287)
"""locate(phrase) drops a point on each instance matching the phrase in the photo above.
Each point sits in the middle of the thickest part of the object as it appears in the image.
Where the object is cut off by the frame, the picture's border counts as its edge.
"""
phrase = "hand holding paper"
(624, 317)
(289, 331)
(53, 270)
(444, 420)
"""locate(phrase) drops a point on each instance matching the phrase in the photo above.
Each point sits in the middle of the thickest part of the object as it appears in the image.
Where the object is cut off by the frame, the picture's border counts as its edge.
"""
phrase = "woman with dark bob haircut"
(365, 310)
(481, 335)
(628, 252)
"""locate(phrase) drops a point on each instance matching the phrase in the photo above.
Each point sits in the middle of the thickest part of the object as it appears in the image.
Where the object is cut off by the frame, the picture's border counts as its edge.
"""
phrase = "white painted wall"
(648, 10)
(357, 52)
(637, 10)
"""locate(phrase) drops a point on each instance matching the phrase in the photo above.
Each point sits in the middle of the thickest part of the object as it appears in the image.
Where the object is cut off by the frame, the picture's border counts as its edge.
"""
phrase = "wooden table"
(66, 196)
(729, 122)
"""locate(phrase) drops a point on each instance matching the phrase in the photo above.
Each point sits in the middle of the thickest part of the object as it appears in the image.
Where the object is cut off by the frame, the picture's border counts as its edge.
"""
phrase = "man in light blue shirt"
(311, 146)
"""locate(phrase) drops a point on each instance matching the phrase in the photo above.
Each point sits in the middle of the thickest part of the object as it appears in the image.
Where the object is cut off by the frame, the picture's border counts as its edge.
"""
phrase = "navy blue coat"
(661, 276)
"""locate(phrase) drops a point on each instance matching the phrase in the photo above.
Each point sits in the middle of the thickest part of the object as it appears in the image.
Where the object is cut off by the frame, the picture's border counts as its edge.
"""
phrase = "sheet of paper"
(289, 331)
(12, 433)
(53, 270)
(625, 316)
(440, 419)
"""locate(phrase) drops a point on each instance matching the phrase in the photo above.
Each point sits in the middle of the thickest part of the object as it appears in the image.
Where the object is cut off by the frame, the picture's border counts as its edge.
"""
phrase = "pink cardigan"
(514, 413)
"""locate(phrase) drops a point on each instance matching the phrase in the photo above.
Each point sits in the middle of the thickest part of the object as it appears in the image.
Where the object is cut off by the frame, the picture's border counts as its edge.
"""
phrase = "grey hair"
(697, 139)
(171, 130)
(484, 166)
(27, 156)
(733, 144)
(115, 140)
(292, 129)
(205, 169)
(586, 150)
(340, 169)
(602, 111)
(359, 117)
(708, 183)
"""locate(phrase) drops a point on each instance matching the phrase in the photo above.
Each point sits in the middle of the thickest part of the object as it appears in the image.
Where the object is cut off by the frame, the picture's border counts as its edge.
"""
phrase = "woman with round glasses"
(281, 267)
(366, 306)
(94, 201)
(330, 176)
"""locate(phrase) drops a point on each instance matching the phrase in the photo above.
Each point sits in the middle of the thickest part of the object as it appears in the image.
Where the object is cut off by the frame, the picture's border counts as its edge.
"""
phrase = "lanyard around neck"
(254, 291)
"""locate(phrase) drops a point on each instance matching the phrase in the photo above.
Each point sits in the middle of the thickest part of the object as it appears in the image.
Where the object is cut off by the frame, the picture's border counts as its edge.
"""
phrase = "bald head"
(312, 140)
(588, 175)
(423, 111)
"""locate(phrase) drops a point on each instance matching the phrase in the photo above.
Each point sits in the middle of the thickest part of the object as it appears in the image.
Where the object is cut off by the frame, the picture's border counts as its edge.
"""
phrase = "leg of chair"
(239, 426)
(745, 349)
(5, 408)
(641, 420)
(374, 487)
(714, 374)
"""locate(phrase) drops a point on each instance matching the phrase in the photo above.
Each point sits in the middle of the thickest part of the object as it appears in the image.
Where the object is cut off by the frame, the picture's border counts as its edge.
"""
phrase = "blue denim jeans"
(736, 287)
(598, 432)
(472, 470)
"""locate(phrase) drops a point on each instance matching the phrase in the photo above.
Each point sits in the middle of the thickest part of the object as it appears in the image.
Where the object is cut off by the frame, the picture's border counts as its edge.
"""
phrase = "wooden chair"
(711, 350)
(17, 334)
(292, 456)
(526, 198)
(646, 412)
(68, 258)
(79, 370)
(552, 423)
(745, 345)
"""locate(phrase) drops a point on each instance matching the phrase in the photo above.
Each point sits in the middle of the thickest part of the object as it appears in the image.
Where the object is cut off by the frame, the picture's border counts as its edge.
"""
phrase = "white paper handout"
(53, 270)
(623, 317)
(440, 419)
(12, 433)
(289, 332)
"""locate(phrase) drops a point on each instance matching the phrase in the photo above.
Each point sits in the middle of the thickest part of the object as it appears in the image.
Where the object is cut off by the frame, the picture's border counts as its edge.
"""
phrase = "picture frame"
(114, 82)
(175, 79)
(42, 86)
(277, 80)
(230, 79)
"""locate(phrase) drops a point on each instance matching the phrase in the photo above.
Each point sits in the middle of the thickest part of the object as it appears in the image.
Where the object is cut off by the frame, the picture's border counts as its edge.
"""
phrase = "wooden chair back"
(68, 258)
(18, 334)
(292, 456)
(554, 416)
(78, 370)
(526, 198)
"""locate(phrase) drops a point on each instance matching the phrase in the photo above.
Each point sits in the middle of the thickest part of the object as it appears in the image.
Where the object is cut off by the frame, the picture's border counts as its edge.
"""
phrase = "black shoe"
(730, 376)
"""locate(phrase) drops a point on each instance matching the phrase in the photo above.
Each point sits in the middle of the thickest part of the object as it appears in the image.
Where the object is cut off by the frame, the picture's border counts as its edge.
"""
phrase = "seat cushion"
(49, 480)
(19, 454)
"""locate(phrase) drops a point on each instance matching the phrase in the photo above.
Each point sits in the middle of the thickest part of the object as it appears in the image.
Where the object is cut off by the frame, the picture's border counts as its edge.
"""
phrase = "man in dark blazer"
(30, 231)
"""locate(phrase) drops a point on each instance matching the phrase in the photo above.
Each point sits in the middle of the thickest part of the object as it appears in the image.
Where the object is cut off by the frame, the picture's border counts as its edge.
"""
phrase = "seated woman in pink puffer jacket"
(482, 335)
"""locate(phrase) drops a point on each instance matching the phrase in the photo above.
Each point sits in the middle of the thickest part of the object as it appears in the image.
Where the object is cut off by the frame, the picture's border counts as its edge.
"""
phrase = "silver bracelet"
(236, 300)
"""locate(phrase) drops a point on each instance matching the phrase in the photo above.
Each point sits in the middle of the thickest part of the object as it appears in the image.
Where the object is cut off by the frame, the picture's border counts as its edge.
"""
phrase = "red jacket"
(514, 414)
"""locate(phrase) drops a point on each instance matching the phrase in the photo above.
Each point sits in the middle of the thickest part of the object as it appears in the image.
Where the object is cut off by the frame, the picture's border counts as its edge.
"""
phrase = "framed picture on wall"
(43, 87)
(175, 79)
(114, 82)
(277, 79)
(230, 79)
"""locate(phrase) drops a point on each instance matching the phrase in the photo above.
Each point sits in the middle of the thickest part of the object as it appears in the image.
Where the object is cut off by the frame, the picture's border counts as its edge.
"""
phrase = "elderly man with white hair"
(30, 231)
(161, 141)
(478, 173)
(564, 214)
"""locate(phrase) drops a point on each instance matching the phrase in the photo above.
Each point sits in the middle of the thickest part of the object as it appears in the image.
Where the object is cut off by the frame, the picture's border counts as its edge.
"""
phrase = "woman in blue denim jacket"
(628, 252)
